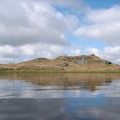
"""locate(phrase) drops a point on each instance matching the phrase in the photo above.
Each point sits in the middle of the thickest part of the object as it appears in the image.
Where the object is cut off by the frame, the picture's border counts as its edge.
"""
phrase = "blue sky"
(95, 5)
(98, 4)
(49, 28)
(85, 43)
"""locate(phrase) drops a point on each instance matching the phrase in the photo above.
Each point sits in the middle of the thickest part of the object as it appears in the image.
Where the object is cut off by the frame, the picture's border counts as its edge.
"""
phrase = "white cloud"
(109, 53)
(103, 24)
(104, 15)
(33, 23)
(78, 5)
(26, 52)
(93, 51)
(30, 29)
(35, 28)
(112, 53)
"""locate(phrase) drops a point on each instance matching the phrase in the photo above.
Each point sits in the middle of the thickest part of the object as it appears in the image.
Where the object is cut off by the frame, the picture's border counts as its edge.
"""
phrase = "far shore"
(40, 71)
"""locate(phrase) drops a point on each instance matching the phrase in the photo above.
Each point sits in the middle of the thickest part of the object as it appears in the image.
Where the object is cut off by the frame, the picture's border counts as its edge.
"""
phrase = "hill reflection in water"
(61, 81)
(60, 96)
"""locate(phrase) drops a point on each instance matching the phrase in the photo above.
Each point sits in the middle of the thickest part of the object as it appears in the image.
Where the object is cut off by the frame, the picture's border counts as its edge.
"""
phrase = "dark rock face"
(64, 64)
(108, 62)
(92, 59)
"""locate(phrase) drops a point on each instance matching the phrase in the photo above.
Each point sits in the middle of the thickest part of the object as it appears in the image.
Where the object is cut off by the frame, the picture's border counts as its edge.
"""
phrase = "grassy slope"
(57, 65)
(34, 67)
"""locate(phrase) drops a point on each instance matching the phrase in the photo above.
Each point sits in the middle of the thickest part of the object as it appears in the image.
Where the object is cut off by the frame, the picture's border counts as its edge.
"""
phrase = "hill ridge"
(82, 63)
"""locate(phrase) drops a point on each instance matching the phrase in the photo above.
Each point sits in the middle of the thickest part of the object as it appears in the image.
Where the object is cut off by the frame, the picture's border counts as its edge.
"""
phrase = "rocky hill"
(92, 59)
(81, 63)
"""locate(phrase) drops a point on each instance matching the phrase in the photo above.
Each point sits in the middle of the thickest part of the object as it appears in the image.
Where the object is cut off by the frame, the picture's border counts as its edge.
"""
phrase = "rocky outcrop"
(83, 59)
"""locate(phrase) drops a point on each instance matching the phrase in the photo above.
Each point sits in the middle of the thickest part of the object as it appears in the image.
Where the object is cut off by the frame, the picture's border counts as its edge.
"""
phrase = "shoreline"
(38, 71)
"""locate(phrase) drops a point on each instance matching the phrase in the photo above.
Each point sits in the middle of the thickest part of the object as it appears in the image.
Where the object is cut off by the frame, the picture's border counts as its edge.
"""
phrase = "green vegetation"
(108, 62)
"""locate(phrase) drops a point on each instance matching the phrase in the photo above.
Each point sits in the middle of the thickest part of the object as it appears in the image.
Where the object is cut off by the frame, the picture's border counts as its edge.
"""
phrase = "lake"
(59, 96)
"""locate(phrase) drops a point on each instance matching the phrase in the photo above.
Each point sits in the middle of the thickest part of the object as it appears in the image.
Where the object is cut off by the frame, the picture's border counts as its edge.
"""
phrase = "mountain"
(83, 63)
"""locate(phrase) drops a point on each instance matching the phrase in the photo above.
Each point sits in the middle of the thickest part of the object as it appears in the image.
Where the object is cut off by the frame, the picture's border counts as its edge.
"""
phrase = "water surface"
(60, 96)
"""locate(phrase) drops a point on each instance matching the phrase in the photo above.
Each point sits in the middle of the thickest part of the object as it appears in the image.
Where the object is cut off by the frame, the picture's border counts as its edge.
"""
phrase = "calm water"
(60, 96)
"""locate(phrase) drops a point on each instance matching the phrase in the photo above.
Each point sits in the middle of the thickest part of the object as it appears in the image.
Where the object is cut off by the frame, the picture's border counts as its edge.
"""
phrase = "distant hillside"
(81, 63)
(92, 59)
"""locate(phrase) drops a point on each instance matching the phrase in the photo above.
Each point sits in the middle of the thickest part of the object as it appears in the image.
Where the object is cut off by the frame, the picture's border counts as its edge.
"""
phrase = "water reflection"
(59, 85)
(60, 96)
(64, 81)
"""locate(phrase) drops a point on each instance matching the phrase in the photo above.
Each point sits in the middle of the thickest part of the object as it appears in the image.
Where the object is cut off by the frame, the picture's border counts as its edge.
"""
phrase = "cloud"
(33, 22)
(10, 54)
(38, 28)
(34, 28)
(72, 4)
(102, 24)
(109, 53)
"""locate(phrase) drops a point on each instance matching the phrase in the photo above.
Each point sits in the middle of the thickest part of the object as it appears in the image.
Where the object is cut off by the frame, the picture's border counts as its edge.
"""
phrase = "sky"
(32, 29)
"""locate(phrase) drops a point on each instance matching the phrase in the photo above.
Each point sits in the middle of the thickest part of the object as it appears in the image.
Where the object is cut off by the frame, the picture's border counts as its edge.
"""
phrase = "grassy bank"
(58, 71)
